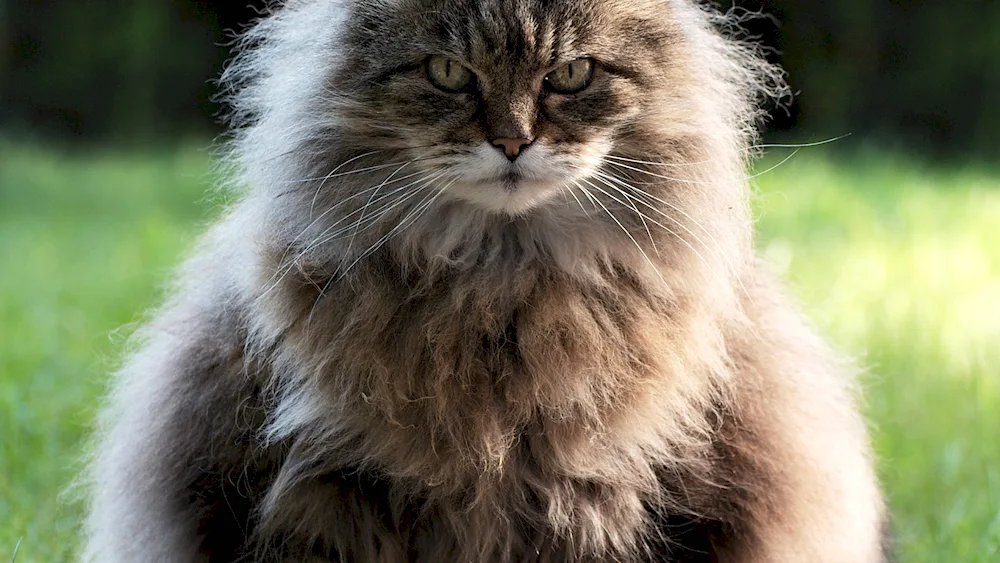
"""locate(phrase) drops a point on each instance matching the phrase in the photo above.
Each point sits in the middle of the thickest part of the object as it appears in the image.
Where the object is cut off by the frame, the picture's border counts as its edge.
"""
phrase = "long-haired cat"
(488, 295)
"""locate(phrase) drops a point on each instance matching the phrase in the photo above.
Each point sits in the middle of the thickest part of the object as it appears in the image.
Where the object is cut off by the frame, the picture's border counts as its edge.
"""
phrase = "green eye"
(571, 78)
(448, 74)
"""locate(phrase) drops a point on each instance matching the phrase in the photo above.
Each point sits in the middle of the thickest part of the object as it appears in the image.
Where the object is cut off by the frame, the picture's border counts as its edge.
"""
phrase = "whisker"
(653, 174)
(334, 173)
(748, 149)
(771, 169)
(367, 203)
(353, 196)
(641, 217)
(411, 217)
(569, 189)
(801, 145)
(606, 177)
(590, 197)
(718, 252)
(664, 227)
(325, 237)
(625, 230)
(407, 220)
(695, 182)
(379, 213)
(331, 175)
(652, 163)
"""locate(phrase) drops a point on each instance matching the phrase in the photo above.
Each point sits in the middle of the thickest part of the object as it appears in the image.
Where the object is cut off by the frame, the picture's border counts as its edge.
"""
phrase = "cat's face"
(507, 103)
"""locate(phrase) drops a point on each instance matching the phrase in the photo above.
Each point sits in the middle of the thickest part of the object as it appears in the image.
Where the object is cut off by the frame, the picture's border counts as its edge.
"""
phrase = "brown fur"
(478, 372)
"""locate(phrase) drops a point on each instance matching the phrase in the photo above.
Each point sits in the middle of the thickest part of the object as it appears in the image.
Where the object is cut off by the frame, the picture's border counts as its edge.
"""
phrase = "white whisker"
(353, 196)
(624, 229)
(654, 174)
(421, 206)
(569, 189)
(379, 213)
(801, 145)
(637, 212)
(652, 163)
(771, 169)
(367, 203)
(411, 217)
(606, 177)
(326, 236)
(588, 195)
(664, 227)
(331, 175)
(332, 208)
(718, 252)
(751, 148)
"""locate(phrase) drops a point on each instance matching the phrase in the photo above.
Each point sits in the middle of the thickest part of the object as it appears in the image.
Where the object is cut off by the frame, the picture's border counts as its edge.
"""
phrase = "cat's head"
(514, 101)
(511, 107)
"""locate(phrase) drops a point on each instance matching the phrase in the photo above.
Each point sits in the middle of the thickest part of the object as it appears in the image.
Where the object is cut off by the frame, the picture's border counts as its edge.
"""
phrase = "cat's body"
(402, 346)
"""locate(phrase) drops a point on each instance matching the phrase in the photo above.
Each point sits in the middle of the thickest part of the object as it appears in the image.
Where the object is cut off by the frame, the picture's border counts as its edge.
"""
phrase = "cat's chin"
(514, 197)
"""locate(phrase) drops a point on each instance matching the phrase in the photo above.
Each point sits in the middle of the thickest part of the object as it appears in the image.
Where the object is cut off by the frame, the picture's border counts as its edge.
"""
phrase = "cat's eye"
(571, 78)
(449, 75)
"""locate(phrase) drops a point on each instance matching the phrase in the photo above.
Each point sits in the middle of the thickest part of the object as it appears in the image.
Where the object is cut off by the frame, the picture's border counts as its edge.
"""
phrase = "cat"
(488, 293)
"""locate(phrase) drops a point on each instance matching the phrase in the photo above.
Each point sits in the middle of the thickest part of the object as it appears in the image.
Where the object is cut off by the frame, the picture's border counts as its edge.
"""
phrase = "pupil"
(447, 68)
(571, 71)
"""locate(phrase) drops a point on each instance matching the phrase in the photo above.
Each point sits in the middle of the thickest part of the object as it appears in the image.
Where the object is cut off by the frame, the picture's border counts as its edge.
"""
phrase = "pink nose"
(512, 147)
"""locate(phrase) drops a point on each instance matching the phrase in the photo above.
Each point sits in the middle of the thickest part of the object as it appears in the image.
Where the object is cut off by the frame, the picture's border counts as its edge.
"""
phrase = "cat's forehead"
(497, 32)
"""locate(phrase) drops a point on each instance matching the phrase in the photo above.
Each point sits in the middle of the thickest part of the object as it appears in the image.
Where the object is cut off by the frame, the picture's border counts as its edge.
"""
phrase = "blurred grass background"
(893, 249)
(898, 262)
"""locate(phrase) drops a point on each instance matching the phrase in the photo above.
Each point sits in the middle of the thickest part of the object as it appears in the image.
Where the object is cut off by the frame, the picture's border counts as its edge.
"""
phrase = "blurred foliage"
(926, 72)
(923, 74)
(114, 69)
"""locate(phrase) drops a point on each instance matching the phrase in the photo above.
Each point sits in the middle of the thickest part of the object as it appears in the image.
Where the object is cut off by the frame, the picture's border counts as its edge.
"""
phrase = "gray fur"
(388, 350)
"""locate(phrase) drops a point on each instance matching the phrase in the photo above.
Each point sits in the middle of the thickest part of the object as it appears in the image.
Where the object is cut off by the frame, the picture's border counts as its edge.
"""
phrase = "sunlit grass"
(84, 243)
(899, 264)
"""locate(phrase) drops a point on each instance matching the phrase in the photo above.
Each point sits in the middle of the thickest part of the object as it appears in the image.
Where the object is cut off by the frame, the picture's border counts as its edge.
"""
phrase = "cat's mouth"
(511, 180)
(512, 193)
(493, 183)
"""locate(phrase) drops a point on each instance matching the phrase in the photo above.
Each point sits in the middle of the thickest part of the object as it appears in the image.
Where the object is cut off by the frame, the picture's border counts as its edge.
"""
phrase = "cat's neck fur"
(530, 370)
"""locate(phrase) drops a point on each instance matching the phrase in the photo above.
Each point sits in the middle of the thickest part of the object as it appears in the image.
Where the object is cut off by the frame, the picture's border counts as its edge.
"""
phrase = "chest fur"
(496, 419)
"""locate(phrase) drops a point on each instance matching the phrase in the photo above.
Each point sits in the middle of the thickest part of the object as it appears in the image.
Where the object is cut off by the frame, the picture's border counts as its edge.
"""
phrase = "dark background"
(918, 75)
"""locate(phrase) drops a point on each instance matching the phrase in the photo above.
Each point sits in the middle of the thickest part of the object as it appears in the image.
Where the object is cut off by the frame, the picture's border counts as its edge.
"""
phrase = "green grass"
(900, 265)
(897, 263)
